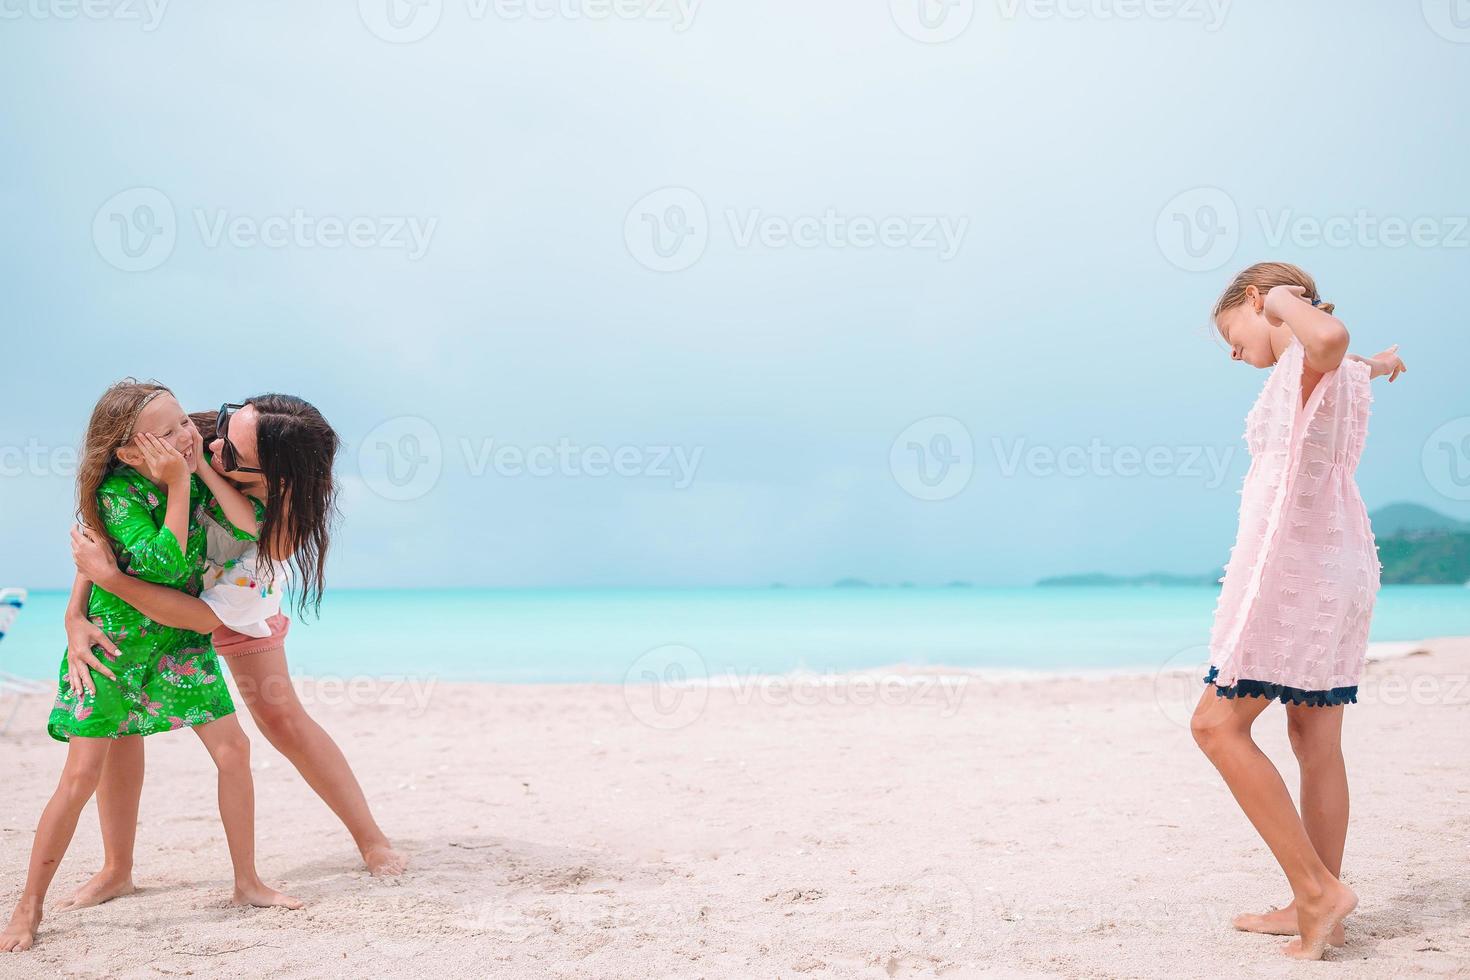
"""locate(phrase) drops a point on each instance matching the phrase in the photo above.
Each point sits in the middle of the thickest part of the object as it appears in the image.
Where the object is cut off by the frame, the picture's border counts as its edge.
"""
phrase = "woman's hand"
(1278, 302)
(163, 460)
(82, 636)
(93, 556)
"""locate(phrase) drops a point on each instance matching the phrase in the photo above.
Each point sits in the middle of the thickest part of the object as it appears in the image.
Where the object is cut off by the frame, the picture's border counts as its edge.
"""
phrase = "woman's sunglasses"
(228, 455)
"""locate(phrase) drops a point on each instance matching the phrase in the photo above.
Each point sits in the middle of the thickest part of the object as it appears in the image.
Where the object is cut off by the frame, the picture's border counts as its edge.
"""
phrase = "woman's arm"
(83, 638)
(1323, 335)
(81, 595)
(237, 508)
(159, 603)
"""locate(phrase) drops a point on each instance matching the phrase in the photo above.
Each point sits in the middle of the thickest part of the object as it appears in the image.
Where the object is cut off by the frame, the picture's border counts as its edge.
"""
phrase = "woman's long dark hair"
(296, 448)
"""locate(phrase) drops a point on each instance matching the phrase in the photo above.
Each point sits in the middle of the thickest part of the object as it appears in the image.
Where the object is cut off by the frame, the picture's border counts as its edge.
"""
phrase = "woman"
(278, 450)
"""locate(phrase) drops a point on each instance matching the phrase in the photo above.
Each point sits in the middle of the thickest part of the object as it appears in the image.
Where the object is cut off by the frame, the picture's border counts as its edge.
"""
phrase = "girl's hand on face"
(93, 558)
(166, 462)
(1278, 301)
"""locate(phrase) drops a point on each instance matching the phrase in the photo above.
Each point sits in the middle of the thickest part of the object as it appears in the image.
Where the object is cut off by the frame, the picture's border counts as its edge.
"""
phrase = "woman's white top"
(238, 582)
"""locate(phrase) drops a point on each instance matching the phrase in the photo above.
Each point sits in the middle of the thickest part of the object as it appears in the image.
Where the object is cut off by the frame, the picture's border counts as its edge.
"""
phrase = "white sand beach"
(1026, 828)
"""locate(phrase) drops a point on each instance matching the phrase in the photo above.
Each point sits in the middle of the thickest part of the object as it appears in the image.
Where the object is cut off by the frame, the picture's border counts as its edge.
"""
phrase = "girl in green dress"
(143, 481)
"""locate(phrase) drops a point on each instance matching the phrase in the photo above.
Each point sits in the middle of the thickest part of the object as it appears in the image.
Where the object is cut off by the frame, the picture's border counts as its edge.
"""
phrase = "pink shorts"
(228, 643)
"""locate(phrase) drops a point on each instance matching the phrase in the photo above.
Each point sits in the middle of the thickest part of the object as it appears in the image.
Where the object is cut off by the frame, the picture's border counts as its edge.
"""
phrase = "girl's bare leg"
(230, 750)
(265, 686)
(1222, 727)
(1316, 738)
(79, 778)
(118, 795)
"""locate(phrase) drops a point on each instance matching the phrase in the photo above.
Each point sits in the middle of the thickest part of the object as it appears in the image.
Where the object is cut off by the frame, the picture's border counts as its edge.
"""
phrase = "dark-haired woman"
(279, 450)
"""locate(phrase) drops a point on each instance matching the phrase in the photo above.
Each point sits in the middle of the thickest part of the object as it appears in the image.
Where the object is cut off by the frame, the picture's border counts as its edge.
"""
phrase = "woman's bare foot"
(1318, 918)
(262, 896)
(1281, 922)
(104, 886)
(384, 862)
(20, 934)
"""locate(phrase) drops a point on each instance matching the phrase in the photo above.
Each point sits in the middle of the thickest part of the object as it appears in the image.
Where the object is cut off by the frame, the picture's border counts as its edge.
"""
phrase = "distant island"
(858, 583)
(1152, 579)
(1417, 546)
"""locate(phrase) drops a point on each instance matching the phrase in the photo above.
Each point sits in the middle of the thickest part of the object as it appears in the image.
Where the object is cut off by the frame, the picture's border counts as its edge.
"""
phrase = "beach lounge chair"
(11, 601)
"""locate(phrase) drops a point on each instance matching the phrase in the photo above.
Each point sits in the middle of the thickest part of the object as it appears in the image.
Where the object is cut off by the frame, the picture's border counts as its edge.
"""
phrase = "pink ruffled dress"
(1297, 597)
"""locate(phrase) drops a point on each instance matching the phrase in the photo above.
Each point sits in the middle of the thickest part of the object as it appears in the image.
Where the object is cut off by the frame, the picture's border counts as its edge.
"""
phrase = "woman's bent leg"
(266, 688)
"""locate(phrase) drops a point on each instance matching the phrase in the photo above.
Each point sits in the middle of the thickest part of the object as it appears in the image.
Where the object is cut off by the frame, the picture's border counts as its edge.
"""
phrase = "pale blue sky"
(518, 148)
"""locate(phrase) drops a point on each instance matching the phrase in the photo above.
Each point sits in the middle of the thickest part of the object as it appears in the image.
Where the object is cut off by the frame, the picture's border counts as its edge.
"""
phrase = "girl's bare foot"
(384, 862)
(1281, 922)
(1318, 918)
(264, 897)
(104, 886)
(20, 934)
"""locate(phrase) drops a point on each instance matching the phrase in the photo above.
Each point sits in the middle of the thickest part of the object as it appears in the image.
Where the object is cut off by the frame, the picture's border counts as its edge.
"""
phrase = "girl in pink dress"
(1297, 597)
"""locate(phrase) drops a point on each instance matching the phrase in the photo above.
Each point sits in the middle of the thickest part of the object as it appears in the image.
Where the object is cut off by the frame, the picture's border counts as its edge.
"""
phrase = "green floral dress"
(167, 677)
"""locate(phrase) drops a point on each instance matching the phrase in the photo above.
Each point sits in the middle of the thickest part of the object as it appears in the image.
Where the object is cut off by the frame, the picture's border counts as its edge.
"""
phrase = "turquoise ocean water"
(596, 636)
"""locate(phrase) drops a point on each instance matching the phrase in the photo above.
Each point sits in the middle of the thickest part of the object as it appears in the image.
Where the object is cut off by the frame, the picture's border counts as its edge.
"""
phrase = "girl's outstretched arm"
(1386, 362)
(1323, 335)
(159, 603)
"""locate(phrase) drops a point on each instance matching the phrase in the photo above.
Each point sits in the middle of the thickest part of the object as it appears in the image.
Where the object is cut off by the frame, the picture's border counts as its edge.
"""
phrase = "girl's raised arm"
(1323, 335)
(237, 508)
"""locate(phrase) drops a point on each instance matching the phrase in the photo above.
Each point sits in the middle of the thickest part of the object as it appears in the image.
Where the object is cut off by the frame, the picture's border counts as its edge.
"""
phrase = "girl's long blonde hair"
(1264, 276)
(109, 429)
